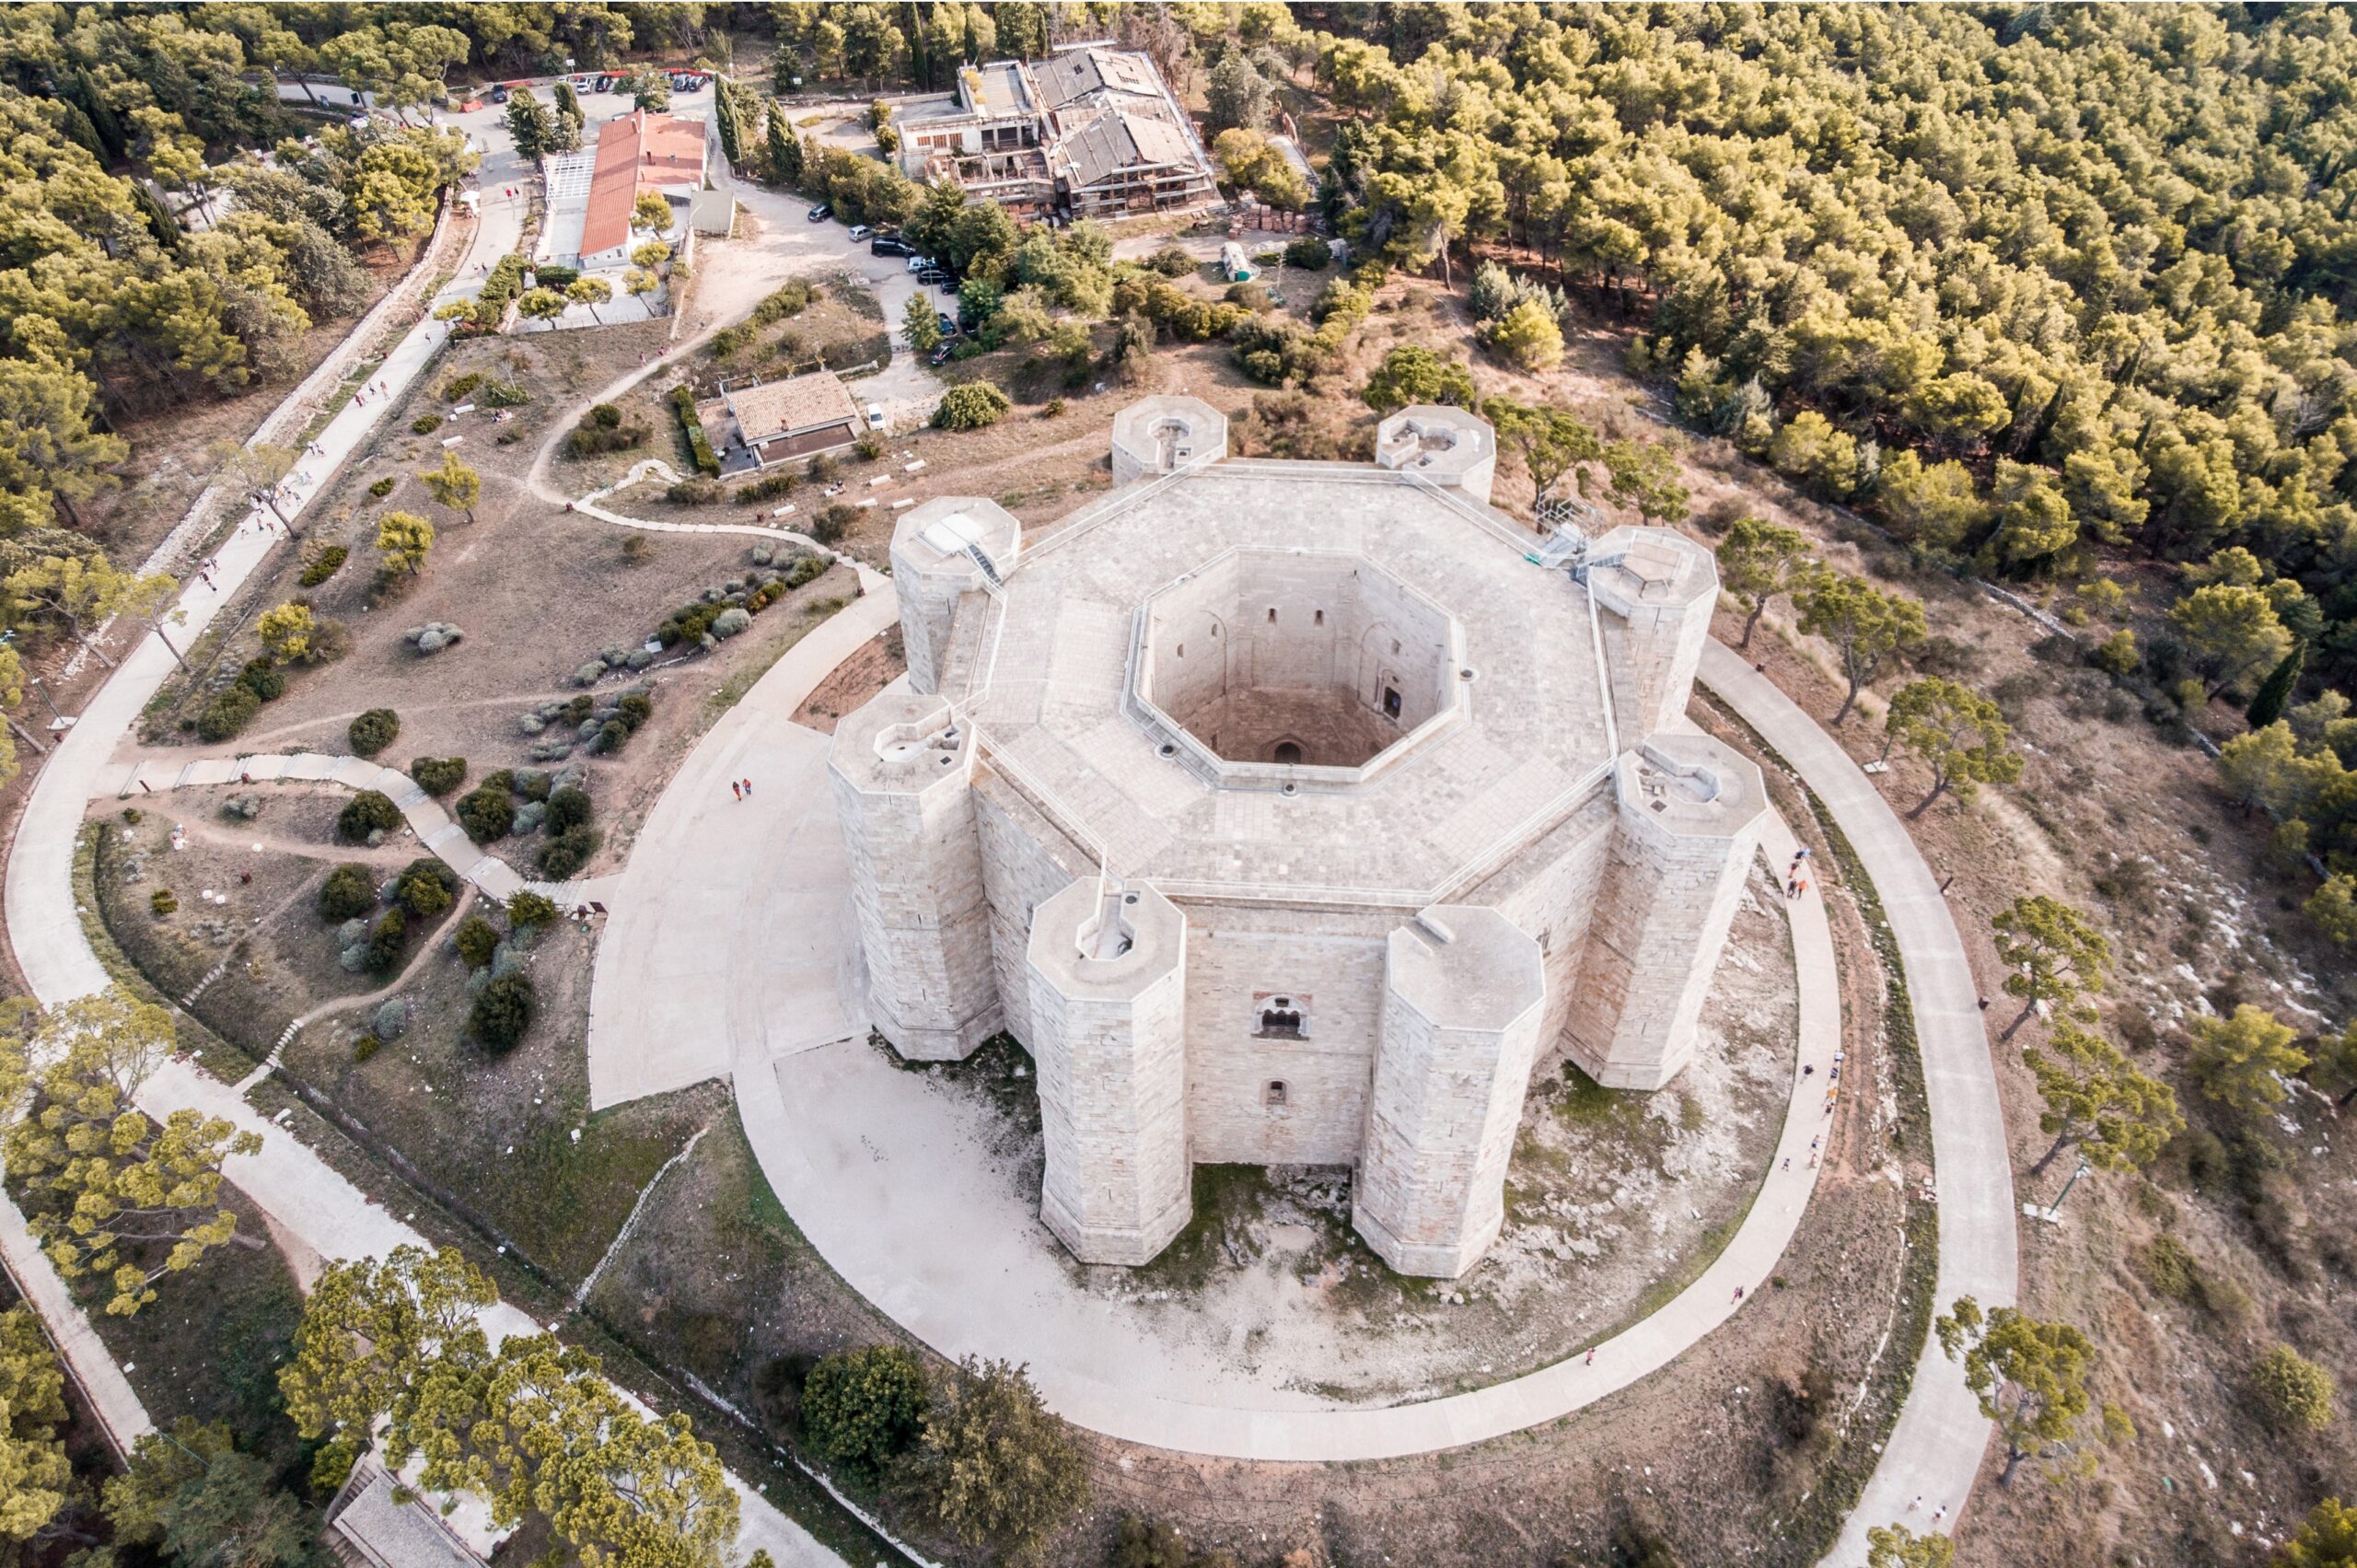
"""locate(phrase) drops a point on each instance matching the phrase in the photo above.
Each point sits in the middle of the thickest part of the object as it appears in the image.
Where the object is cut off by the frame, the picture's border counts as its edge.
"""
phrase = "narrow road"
(1935, 1450)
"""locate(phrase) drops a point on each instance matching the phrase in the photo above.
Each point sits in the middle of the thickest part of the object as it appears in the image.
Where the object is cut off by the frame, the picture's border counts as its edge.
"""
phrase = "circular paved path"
(757, 977)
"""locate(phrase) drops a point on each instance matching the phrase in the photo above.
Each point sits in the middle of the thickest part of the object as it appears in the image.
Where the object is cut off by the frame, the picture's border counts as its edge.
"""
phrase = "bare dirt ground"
(280, 956)
(876, 665)
(537, 591)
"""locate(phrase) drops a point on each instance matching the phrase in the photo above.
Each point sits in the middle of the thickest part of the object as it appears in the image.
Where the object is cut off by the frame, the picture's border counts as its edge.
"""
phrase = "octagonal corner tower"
(1292, 813)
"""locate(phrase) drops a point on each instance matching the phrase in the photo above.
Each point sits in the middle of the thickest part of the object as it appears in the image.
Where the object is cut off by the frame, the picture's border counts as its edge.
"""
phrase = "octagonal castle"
(1292, 813)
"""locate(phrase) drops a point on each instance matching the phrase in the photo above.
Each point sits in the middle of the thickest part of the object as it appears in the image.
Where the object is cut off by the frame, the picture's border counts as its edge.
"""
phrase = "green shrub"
(694, 492)
(384, 941)
(486, 812)
(699, 444)
(971, 406)
(568, 807)
(163, 901)
(427, 888)
(994, 1467)
(370, 811)
(373, 731)
(262, 678)
(477, 939)
(505, 394)
(634, 709)
(869, 448)
(830, 525)
(1173, 262)
(384, 486)
(612, 737)
(503, 1012)
(455, 389)
(1308, 252)
(603, 430)
(567, 852)
(438, 776)
(366, 1047)
(861, 1409)
(426, 424)
(326, 563)
(349, 891)
(769, 487)
(555, 275)
(2297, 1393)
(227, 713)
(531, 784)
(526, 910)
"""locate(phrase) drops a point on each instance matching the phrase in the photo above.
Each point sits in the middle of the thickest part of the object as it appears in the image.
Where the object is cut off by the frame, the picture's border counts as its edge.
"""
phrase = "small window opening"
(1318, 618)
(1273, 615)
(1274, 1094)
(1281, 1022)
(1287, 754)
(1391, 701)
(1394, 644)
(1182, 650)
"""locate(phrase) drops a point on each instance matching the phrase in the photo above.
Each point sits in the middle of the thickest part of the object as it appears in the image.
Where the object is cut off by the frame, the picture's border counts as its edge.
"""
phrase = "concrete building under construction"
(1089, 131)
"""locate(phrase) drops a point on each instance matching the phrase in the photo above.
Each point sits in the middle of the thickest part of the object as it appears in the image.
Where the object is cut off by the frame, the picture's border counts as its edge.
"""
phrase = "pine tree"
(2276, 689)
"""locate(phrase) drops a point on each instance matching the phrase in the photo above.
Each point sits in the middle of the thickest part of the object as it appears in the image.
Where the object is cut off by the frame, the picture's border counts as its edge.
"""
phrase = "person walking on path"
(735, 791)
(1591, 1357)
(1739, 1293)
(749, 789)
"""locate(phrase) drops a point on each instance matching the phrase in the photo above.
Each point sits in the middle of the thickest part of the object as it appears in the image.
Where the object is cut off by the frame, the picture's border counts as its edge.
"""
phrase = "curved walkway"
(669, 992)
(592, 504)
(732, 953)
(1935, 1450)
(426, 818)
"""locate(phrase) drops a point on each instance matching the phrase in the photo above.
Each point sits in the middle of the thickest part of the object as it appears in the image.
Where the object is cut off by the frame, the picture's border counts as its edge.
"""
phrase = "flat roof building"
(1090, 132)
(793, 418)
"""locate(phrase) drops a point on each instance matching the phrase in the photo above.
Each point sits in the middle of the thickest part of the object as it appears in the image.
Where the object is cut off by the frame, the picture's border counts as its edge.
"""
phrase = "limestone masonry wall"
(1232, 1019)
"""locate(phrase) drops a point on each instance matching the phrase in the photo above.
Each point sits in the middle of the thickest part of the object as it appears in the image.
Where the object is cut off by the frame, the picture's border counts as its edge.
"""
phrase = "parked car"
(875, 416)
(499, 93)
(947, 323)
(605, 82)
(919, 263)
(941, 356)
(890, 245)
(860, 231)
(821, 213)
(935, 277)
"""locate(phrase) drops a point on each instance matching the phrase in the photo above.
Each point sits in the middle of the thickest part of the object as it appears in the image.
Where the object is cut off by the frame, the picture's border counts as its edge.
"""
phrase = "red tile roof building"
(636, 152)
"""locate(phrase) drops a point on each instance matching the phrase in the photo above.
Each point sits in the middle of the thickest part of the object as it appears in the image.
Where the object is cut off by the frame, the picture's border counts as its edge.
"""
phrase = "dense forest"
(2030, 284)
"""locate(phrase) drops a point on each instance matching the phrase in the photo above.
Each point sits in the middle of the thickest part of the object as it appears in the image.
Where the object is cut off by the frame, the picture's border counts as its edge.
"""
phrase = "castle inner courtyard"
(1292, 814)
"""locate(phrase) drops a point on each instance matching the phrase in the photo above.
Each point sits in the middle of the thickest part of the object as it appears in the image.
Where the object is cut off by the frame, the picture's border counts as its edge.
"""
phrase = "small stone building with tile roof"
(774, 421)
(1292, 813)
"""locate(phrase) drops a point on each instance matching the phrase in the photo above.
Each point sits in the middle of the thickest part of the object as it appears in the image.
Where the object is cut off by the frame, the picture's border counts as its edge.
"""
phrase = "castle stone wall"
(1108, 981)
(902, 777)
(1026, 862)
(1674, 878)
(1463, 994)
(1240, 961)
